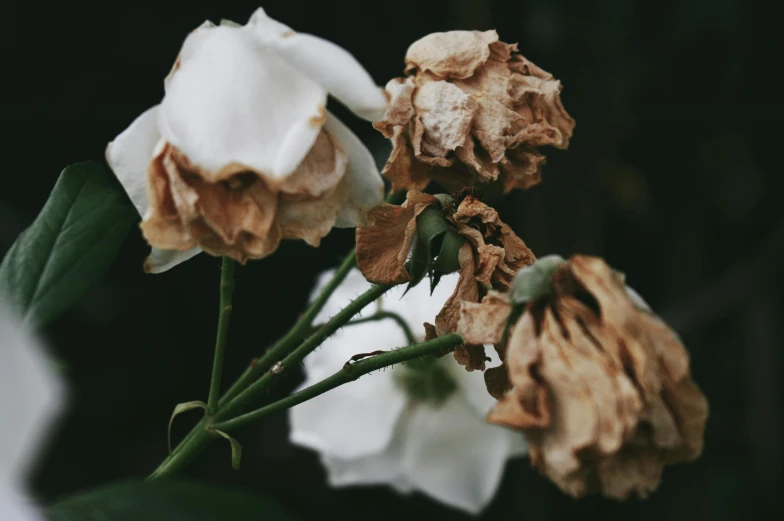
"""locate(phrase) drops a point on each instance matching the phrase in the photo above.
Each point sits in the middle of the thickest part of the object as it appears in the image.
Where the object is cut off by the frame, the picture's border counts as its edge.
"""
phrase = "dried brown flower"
(240, 212)
(471, 109)
(489, 259)
(600, 387)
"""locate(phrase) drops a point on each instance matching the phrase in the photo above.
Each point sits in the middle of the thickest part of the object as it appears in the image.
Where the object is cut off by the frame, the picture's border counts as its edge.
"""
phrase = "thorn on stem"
(253, 362)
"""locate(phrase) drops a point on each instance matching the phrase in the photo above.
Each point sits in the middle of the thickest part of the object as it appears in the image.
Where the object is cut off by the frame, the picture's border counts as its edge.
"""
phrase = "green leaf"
(163, 500)
(236, 449)
(179, 409)
(70, 245)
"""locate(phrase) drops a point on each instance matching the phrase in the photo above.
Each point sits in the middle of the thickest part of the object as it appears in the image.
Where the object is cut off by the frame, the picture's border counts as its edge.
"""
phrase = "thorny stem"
(226, 295)
(381, 315)
(349, 373)
(195, 442)
(261, 385)
(304, 326)
(199, 437)
(301, 330)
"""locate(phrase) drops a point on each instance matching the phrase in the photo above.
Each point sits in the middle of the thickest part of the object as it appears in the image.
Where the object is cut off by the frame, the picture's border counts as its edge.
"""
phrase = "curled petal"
(382, 249)
(159, 260)
(465, 291)
(484, 323)
(472, 356)
(314, 195)
(402, 168)
(522, 167)
(236, 217)
(400, 109)
(455, 54)
(366, 186)
(220, 103)
(325, 63)
(130, 153)
(311, 219)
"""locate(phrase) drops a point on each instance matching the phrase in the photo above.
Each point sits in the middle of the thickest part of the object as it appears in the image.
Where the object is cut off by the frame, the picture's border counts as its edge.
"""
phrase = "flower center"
(425, 380)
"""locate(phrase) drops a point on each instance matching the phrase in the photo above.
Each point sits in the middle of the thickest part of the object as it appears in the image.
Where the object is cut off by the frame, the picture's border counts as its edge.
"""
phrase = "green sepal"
(236, 449)
(179, 409)
(430, 229)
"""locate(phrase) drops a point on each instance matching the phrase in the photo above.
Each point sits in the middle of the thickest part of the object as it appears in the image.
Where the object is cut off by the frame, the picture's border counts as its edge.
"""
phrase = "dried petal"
(601, 387)
(465, 291)
(400, 108)
(382, 249)
(498, 384)
(472, 356)
(483, 323)
(476, 100)
(444, 113)
(244, 214)
(456, 54)
(402, 168)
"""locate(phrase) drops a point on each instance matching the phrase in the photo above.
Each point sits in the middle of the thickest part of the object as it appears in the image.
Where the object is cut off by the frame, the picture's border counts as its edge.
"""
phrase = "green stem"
(258, 387)
(193, 444)
(349, 373)
(226, 295)
(301, 330)
(381, 315)
(197, 440)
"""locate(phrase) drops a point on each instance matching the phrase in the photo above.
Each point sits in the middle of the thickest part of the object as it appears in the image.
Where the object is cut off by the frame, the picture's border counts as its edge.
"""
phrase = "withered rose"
(598, 383)
(470, 110)
(242, 152)
(489, 259)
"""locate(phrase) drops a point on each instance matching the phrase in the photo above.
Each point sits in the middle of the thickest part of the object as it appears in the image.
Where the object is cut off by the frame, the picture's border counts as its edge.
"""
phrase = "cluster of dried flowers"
(489, 258)
(242, 153)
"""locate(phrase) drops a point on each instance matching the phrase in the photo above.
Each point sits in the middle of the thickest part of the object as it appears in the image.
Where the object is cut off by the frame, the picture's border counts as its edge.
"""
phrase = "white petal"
(326, 63)
(454, 456)
(234, 100)
(130, 153)
(30, 397)
(359, 418)
(13, 507)
(367, 185)
(418, 306)
(383, 468)
(129, 157)
(163, 260)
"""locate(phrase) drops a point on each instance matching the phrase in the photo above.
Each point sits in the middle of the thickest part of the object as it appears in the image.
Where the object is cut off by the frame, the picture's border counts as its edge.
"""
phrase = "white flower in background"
(418, 426)
(242, 152)
(30, 396)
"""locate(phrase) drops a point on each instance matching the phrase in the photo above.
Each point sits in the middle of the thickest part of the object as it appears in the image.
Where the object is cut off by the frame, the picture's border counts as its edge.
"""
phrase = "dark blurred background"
(672, 175)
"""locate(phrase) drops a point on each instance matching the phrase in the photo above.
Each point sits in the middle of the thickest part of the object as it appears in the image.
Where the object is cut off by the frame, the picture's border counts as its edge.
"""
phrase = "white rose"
(242, 152)
(429, 437)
